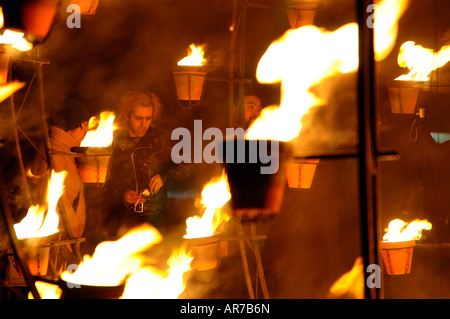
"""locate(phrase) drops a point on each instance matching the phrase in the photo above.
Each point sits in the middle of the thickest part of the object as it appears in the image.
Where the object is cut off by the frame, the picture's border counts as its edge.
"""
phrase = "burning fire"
(214, 195)
(9, 89)
(303, 57)
(387, 15)
(420, 61)
(194, 57)
(103, 135)
(398, 230)
(42, 221)
(14, 38)
(46, 291)
(350, 284)
(116, 262)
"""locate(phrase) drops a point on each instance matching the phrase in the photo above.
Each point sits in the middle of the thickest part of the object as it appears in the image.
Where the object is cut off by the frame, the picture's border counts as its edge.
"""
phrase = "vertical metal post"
(367, 153)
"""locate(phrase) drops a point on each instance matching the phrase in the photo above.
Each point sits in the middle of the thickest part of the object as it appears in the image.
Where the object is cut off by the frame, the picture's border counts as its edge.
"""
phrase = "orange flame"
(398, 230)
(387, 15)
(350, 284)
(122, 261)
(42, 221)
(9, 89)
(214, 196)
(103, 135)
(46, 291)
(420, 61)
(194, 57)
(14, 38)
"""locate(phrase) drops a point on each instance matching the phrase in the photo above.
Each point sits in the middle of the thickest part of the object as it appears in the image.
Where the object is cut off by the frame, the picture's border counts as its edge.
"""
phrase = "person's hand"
(155, 184)
(131, 197)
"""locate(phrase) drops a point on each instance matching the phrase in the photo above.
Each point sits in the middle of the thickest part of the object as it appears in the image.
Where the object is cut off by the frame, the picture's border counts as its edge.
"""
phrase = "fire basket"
(255, 194)
(404, 95)
(205, 251)
(397, 256)
(301, 174)
(189, 82)
(301, 14)
(93, 163)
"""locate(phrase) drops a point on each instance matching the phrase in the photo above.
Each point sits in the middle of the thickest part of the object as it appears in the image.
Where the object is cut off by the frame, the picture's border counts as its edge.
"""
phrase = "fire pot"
(189, 82)
(397, 256)
(205, 251)
(301, 14)
(257, 182)
(93, 163)
(301, 174)
(403, 96)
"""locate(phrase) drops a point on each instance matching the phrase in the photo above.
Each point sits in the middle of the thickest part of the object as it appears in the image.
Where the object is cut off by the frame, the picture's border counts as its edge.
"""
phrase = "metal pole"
(367, 152)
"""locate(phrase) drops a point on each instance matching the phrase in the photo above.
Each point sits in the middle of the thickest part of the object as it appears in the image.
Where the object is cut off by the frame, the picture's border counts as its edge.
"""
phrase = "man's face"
(139, 121)
(252, 108)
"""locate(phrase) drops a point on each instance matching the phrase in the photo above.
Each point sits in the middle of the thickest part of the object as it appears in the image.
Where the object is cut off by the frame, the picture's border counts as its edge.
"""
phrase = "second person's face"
(139, 121)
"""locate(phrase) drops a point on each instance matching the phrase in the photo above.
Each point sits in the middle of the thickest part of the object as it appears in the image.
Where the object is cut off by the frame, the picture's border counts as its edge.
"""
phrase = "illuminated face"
(139, 121)
(252, 108)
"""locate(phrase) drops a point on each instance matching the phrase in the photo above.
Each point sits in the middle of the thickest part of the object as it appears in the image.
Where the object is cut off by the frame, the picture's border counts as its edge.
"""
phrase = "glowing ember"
(420, 61)
(42, 221)
(387, 15)
(398, 230)
(194, 57)
(9, 89)
(150, 283)
(214, 195)
(103, 135)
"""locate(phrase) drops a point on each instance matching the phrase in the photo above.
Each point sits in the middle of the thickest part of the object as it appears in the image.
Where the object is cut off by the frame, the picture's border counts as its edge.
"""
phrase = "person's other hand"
(155, 184)
(131, 197)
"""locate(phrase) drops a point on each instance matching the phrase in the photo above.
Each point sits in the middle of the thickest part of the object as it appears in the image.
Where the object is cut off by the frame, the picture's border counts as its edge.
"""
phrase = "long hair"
(132, 99)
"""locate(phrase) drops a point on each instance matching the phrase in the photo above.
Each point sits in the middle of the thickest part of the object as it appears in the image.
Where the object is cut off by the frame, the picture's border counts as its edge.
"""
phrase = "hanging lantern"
(189, 77)
(404, 95)
(32, 17)
(87, 7)
(301, 14)
(301, 174)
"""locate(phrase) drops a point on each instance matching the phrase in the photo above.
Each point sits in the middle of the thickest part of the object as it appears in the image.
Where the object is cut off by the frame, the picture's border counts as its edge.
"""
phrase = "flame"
(9, 89)
(38, 223)
(387, 15)
(46, 291)
(300, 59)
(14, 38)
(350, 284)
(103, 135)
(112, 261)
(420, 61)
(122, 261)
(194, 57)
(214, 195)
(149, 283)
(398, 230)
(303, 57)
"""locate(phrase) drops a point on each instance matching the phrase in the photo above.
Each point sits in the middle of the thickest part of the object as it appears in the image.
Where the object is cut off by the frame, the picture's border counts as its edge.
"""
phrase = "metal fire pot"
(205, 251)
(93, 163)
(255, 195)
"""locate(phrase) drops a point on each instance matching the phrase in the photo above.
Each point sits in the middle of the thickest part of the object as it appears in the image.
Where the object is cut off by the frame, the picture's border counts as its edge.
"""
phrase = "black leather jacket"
(134, 161)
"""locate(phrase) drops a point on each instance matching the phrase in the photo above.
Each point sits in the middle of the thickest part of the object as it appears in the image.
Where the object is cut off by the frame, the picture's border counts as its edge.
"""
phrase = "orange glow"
(398, 230)
(194, 57)
(103, 135)
(214, 195)
(420, 61)
(42, 221)
(350, 284)
(16, 40)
